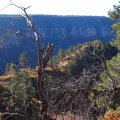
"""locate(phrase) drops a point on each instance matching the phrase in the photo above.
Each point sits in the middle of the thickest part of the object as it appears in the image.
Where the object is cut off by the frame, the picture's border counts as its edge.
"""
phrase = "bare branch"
(11, 115)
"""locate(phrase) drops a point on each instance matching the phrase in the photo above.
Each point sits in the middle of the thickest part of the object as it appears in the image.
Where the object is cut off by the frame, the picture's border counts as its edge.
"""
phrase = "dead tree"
(43, 54)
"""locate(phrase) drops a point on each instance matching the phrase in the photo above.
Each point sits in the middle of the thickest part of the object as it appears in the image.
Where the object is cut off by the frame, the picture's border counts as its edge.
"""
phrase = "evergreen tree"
(115, 14)
(23, 90)
(69, 50)
(12, 68)
(23, 60)
(61, 54)
(52, 61)
(7, 70)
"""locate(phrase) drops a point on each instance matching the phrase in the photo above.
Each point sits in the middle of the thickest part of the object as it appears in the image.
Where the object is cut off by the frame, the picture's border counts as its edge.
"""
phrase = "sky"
(60, 7)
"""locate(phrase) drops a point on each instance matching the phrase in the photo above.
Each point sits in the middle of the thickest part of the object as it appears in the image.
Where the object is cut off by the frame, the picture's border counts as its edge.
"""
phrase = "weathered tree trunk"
(43, 58)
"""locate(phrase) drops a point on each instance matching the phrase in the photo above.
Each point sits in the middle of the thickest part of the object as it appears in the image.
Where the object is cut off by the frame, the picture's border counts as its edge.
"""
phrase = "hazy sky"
(61, 7)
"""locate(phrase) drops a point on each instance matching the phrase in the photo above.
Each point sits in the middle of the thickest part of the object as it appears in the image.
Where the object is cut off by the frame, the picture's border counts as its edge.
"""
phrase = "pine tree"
(7, 69)
(61, 54)
(13, 68)
(23, 90)
(115, 14)
(23, 60)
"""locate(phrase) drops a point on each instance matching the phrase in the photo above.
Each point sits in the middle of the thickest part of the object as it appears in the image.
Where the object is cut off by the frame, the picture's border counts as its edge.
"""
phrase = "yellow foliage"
(111, 115)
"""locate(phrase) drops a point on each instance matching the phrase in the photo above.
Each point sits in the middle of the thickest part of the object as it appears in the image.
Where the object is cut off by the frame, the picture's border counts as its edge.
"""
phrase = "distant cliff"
(62, 31)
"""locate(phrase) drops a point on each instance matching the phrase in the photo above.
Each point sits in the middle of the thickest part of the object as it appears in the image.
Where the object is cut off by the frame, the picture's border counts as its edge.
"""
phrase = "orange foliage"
(68, 116)
(111, 115)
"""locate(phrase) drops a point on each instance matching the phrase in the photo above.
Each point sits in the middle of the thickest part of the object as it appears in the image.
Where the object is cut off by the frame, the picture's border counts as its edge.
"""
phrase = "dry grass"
(6, 77)
(83, 47)
(31, 72)
(46, 69)
(49, 69)
(64, 63)
(71, 57)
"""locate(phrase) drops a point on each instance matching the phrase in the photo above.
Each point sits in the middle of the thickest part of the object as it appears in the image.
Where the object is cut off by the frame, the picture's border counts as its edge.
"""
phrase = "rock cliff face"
(62, 31)
(67, 30)
(77, 32)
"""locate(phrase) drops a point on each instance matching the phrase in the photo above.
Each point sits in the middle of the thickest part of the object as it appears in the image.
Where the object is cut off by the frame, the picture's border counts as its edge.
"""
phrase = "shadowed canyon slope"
(62, 31)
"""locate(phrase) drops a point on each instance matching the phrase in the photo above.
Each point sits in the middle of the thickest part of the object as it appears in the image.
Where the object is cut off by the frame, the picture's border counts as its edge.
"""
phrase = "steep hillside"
(62, 31)
(75, 59)
(86, 56)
